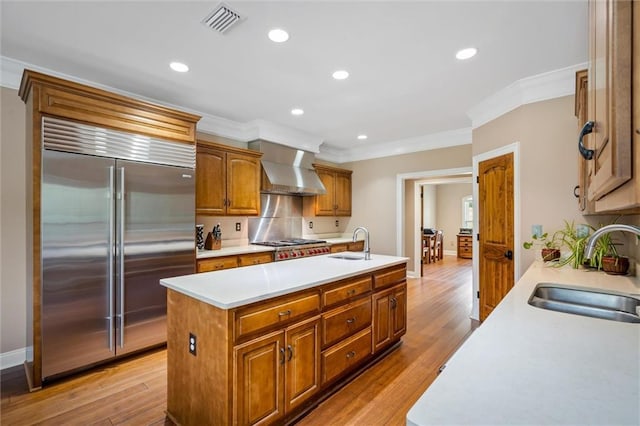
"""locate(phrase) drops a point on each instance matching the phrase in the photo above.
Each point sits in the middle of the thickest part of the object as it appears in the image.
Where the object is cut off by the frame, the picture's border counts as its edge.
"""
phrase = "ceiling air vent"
(222, 18)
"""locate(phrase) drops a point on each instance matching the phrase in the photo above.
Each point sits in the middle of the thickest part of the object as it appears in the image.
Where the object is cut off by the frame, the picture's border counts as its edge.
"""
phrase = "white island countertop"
(230, 288)
(526, 365)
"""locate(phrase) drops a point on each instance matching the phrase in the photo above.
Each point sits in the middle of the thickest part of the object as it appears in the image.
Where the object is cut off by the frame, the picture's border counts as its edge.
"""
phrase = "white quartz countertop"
(230, 288)
(526, 365)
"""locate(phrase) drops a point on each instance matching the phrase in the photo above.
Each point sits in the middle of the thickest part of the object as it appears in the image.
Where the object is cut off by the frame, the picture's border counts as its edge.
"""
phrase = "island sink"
(587, 302)
(347, 256)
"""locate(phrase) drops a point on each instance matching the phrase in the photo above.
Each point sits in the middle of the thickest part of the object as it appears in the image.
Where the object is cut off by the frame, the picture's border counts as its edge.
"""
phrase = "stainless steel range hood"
(287, 170)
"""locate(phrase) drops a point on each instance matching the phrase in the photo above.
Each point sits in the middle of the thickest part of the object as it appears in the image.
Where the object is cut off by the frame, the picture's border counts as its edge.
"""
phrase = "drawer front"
(345, 321)
(337, 248)
(217, 263)
(255, 259)
(347, 290)
(275, 314)
(357, 246)
(389, 276)
(345, 356)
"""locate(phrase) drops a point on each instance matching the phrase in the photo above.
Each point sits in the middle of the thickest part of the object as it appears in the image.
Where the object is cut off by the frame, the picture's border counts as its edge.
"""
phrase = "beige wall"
(13, 249)
(374, 190)
(449, 210)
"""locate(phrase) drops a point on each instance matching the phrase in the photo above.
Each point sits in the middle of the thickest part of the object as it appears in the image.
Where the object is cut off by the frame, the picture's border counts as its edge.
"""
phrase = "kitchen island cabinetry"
(337, 200)
(227, 180)
(389, 316)
(612, 103)
(274, 348)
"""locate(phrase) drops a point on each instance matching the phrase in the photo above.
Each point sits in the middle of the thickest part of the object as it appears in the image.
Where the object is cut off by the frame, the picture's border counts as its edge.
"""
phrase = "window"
(467, 212)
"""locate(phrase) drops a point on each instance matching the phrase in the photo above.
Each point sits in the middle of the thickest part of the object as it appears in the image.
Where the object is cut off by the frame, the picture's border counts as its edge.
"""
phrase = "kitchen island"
(527, 365)
(266, 343)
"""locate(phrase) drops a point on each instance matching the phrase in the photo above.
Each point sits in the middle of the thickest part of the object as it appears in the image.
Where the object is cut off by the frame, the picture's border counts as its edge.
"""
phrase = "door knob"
(508, 254)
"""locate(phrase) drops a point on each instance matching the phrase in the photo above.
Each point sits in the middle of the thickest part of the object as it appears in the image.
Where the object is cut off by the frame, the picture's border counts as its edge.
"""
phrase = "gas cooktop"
(288, 242)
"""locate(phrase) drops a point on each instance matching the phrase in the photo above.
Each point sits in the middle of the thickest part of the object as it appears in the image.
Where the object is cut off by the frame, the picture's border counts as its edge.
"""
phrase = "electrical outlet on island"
(192, 344)
(337, 223)
(238, 228)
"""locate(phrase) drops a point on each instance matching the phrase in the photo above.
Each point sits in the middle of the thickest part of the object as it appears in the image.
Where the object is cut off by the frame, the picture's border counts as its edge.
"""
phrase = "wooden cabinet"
(584, 165)
(226, 262)
(269, 361)
(465, 246)
(340, 247)
(337, 200)
(227, 180)
(389, 316)
(276, 373)
(612, 65)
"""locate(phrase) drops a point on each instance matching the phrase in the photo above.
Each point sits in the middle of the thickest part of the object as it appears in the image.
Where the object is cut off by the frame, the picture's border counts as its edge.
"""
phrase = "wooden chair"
(428, 241)
(438, 246)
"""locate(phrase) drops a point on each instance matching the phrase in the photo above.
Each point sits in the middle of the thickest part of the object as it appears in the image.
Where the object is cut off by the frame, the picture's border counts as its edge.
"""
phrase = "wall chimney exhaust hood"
(287, 170)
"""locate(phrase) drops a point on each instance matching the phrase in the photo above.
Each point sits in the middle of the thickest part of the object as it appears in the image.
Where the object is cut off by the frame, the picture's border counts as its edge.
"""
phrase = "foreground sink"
(587, 302)
(347, 256)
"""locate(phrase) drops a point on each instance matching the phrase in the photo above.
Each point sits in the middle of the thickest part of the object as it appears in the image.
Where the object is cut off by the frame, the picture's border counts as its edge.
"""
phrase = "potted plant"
(575, 239)
(606, 253)
(550, 247)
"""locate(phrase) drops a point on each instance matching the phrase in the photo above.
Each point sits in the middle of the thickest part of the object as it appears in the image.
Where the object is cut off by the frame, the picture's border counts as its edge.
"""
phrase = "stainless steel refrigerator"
(114, 222)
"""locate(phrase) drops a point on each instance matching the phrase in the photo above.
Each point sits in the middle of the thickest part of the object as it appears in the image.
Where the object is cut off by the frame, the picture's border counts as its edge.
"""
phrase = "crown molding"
(11, 71)
(402, 146)
(540, 87)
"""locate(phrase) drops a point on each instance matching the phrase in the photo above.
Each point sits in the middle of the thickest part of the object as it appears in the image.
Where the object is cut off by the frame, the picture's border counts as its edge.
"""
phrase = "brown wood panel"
(495, 218)
(302, 375)
(343, 193)
(259, 380)
(325, 203)
(243, 184)
(381, 327)
(437, 323)
(389, 276)
(265, 315)
(188, 393)
(346, 355)
(339, 247)
(217, 263)
(399, 311)
(210, 180)
(356, 246)
(75, 101)
(465, 246)
(345, 290)
(345, 321)
(255, 258)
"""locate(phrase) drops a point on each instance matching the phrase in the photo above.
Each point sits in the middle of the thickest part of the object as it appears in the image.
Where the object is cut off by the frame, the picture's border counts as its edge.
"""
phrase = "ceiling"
(404, 82)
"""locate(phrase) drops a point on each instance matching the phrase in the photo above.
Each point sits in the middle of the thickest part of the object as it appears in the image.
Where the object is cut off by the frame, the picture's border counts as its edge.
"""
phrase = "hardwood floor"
(133, 391)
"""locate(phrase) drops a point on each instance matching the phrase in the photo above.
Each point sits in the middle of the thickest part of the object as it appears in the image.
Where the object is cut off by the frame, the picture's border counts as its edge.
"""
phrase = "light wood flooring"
(133, 391)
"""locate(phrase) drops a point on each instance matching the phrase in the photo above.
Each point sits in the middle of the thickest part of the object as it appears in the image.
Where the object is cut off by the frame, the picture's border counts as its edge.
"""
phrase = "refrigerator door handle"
(121, 258)
(112, 191)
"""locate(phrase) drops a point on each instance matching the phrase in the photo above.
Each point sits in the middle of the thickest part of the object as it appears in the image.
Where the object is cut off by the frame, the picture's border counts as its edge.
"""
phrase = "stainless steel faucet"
(367, 253)
(591, 242)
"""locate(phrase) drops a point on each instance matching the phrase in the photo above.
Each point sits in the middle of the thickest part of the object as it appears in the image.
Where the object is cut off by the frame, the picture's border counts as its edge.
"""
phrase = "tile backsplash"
(230, 237)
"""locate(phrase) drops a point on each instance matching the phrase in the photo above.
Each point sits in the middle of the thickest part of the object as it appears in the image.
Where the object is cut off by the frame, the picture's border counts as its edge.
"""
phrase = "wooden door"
(243, 185)
(259, 380)
(495, 219)
(585, 168)
(381, 319)
(609, 103)
(325, 204)
(343, 194)
(303, 363)
(210, 181)
(399, 311)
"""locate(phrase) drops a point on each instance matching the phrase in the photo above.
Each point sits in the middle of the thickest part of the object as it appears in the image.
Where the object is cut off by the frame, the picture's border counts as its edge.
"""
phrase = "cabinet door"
(243, 185)
(399, 311)
(325, 204)
(343, 194)
(340, 247)
(303, 363)
(259, 380)
(609, 101)
(210, 181)
(381, 319)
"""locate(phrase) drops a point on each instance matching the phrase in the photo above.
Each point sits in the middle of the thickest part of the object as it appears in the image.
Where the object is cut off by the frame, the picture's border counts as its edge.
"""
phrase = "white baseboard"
(13, 358)
(451, 252)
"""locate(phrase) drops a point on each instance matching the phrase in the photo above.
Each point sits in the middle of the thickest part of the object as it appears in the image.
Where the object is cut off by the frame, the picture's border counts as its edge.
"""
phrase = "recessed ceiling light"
(179, 67)
(362, 137)
(466, 53)
(340, 75)
(297, 111)
(278, 35)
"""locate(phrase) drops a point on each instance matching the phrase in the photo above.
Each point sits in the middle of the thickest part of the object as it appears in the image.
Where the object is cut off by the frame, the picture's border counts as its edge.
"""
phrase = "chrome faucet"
(367, 253)
(591, 242)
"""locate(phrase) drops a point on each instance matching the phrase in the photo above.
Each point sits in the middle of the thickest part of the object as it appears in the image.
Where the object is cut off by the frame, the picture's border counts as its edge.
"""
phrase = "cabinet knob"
(351, 354)
(351, 320)
(284, 313)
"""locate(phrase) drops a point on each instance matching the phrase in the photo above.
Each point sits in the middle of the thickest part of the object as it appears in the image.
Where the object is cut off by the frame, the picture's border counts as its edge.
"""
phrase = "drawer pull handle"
(284, 313)
(351, 292)
(290, 349)
(351, 354)
(282, 356)
(351, 320)
(394, 303)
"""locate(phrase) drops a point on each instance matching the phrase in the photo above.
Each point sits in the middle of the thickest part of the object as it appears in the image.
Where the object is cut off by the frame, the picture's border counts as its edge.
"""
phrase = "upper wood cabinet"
(609, 95)
(337, 200)
(227, 180)
(612, 177)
